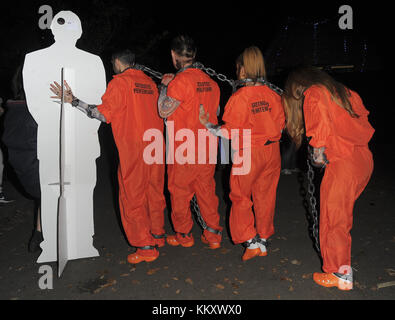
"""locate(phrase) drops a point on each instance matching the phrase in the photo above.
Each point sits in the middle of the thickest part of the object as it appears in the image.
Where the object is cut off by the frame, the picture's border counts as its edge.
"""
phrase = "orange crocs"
(179, 239)
(137, 257)
(251, 253)
(329, 280)
(212, 245)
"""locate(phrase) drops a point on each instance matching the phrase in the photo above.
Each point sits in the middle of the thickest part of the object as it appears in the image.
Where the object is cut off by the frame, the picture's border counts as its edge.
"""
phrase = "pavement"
(198, 273)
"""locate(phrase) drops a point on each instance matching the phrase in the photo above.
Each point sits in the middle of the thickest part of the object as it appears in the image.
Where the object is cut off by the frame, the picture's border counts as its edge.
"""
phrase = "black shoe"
(35, 240)
(3, 199)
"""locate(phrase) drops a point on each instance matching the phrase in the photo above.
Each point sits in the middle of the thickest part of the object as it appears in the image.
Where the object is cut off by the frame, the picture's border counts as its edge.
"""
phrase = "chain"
(313, 204)
(154, 73)
(213, 73)
(195, 209)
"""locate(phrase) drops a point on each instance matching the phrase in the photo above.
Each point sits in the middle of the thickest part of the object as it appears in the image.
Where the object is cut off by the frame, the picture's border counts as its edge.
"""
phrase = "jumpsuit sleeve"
(112, 101)
(317, 121)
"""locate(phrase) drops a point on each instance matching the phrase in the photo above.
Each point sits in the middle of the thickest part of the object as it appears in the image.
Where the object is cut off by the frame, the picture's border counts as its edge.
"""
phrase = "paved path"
(200, 273)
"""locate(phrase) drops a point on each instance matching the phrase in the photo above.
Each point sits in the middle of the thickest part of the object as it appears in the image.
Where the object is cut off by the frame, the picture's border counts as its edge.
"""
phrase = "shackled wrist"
(75, 102)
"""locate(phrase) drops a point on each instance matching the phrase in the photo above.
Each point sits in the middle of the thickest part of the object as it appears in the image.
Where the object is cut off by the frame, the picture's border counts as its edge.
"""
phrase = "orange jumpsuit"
(193, 87)
(259, 109)
(130, 105)
(348, 172)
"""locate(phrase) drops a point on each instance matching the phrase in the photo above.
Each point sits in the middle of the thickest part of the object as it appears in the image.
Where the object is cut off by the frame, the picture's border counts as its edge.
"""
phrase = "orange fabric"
(193, 87)
(259, 109)
(347, 174)
(261, 183)
(130, 105)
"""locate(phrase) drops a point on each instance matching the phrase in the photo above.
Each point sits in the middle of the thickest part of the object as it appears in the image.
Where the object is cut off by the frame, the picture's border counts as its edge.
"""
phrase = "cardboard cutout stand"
(67, 141)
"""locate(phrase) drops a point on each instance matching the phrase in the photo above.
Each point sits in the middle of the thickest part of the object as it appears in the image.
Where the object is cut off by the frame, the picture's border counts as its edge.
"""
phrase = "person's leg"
(157, 202)
(133, 178)
(204, 186)
(1, 171)
(342, 184)
(264, 191)
(180, 179)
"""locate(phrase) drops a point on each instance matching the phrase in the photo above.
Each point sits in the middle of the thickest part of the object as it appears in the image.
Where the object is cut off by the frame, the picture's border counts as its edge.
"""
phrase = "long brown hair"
(297, 82)
(252, 61)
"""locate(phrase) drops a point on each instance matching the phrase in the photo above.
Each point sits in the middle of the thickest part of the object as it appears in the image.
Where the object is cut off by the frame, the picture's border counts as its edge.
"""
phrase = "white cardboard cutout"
(85, 74)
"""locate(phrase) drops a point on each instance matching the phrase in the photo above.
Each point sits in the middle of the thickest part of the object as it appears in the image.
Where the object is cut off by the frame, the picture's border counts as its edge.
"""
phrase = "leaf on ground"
(307, 276)
(235, 286)
(178, 291)
(122, 262)
(150, 272)
(189, 280)
(226, 280)
(262, 268)
(175, 278)
(108, 284)
(385, 284)
(296, 262)
(220, 286)
(291, 288)
(391, 272)
(133, 269)
(286, 279)
(125, 275)
(225, 250)
(275, 250)
(166, 285)
(236, 292)
(219, 269)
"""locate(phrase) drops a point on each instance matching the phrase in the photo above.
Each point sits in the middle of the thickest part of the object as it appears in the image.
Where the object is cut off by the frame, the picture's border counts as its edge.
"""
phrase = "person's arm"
(214, 129)
(317, 124)
(166, 105)
(89, 109)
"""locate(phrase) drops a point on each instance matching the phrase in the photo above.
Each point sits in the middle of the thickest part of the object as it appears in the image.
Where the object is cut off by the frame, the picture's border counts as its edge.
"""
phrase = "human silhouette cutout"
(85, 73)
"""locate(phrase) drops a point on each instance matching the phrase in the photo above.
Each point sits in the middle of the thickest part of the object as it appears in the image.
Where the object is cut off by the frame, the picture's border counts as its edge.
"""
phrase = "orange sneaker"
(329, 280)
(251, 253)
(136, 257)
(212, 245)
(179, 239)
(262, 244)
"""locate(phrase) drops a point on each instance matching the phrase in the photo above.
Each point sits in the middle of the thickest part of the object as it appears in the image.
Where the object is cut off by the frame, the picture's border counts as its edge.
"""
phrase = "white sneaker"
(3, 199)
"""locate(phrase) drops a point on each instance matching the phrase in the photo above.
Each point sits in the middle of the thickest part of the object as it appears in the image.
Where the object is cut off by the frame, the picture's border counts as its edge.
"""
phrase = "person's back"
(255, 108)
(192, 88)
(342, 131)
(134, 109)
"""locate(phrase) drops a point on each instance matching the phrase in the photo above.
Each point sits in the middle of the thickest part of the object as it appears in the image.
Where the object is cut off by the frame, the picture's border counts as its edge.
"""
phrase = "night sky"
(221, 29)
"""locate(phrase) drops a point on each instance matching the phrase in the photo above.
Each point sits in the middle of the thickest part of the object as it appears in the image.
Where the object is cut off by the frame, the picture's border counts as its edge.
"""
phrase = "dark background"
(285, 33)
(283, 30)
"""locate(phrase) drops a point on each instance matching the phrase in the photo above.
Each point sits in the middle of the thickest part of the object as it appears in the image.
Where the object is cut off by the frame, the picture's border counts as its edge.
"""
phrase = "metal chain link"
(313, 204)
(212, 73)
(196, 210)
(154, 73)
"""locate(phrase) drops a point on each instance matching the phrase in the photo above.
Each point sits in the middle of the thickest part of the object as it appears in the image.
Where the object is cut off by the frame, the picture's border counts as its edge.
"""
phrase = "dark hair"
(17, 90)
(184, 46)
(125, 56)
